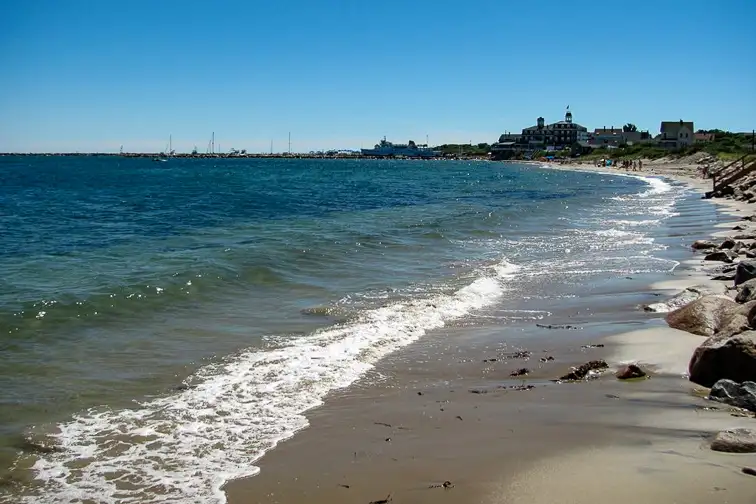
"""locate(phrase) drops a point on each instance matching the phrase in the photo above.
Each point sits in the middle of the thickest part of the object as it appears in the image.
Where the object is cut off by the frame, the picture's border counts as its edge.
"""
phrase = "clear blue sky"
(93, 75)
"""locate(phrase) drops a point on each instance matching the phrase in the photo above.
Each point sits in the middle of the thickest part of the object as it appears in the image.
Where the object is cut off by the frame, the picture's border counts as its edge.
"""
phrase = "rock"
(749, 471)
(518, 387)
(520, 372)
(738, 228)
(720, 255)
(37, 446)
(744, 271)
(584, 370)
(725, 277)
(520, 354)
(735, 441)
(728, 243)
(630, 371)
(744, 237)
(746, 291)
(723, 357)
(740, 395)
(750, 254)
(688, 295)
(710, 315)
(703, 244)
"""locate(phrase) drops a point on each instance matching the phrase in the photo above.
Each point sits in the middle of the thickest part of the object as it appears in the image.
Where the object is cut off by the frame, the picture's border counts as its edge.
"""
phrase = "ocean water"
(163, 325)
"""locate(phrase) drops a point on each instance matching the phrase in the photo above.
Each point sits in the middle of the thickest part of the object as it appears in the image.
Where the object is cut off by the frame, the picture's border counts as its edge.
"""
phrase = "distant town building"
(606, 137)
(558, 135)
(567, 134)
(676, 134)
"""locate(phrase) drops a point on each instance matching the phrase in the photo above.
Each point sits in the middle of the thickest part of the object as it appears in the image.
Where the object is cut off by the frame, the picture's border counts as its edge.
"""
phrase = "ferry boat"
(410, 149)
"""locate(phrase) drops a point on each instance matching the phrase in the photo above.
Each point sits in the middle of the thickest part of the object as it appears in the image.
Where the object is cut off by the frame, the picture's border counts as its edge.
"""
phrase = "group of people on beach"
(625, 164)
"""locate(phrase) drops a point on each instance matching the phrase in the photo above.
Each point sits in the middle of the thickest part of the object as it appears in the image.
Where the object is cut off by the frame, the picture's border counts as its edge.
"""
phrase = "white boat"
(410, 149)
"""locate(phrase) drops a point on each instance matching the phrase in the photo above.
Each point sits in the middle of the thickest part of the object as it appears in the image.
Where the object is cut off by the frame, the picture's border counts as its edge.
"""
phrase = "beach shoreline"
(496, 440)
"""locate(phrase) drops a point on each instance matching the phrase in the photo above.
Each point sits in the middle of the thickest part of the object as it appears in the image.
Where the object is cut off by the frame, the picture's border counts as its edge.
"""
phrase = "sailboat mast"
(212, 143)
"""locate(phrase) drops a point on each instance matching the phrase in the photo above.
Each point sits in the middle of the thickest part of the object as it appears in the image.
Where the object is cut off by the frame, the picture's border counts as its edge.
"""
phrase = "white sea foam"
(633, 223)
(615, 233)
(658, 186)
(182, 448)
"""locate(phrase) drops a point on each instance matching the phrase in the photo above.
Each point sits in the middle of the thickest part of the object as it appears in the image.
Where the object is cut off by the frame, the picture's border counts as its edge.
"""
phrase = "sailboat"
(163, 157)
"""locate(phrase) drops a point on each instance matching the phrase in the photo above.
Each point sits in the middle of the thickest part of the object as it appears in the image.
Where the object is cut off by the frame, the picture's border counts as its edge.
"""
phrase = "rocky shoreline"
(725, 312)
(723, 308)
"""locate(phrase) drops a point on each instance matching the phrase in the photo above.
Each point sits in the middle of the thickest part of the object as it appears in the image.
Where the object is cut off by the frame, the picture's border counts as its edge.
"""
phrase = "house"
(676, 134)
(507, 146)
(582, 147)
(606, 137)
(631, 137)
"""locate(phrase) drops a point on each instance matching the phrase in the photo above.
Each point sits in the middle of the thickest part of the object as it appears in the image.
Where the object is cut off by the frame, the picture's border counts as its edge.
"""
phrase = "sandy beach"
(448, 423)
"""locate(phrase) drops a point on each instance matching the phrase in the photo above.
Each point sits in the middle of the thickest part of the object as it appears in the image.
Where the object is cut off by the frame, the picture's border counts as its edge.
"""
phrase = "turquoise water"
(162, 325)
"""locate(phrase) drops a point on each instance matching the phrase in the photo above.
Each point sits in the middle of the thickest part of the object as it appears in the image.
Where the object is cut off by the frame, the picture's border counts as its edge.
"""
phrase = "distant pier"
(241, 156)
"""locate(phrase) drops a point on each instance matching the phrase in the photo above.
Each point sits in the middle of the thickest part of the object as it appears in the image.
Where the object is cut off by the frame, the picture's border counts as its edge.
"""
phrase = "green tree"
(629, 127)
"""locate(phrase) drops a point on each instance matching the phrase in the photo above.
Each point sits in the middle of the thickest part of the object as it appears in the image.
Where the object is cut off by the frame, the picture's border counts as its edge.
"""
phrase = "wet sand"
(443, 410)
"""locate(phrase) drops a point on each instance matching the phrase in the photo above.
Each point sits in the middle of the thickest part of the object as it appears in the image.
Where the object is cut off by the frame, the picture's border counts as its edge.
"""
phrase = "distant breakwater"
(236, 156)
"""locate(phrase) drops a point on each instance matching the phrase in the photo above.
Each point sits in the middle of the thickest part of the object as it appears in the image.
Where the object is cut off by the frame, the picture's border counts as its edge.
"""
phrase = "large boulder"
(746, 291)
(711, 315)
(728, 243)
(721, 255)
(703, 244)
(724, 357)
(745, 271)
(735, 441)
(740, 395)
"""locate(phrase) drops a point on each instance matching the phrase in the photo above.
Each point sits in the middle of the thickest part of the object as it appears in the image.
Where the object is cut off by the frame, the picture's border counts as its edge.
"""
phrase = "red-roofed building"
(704, 137)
